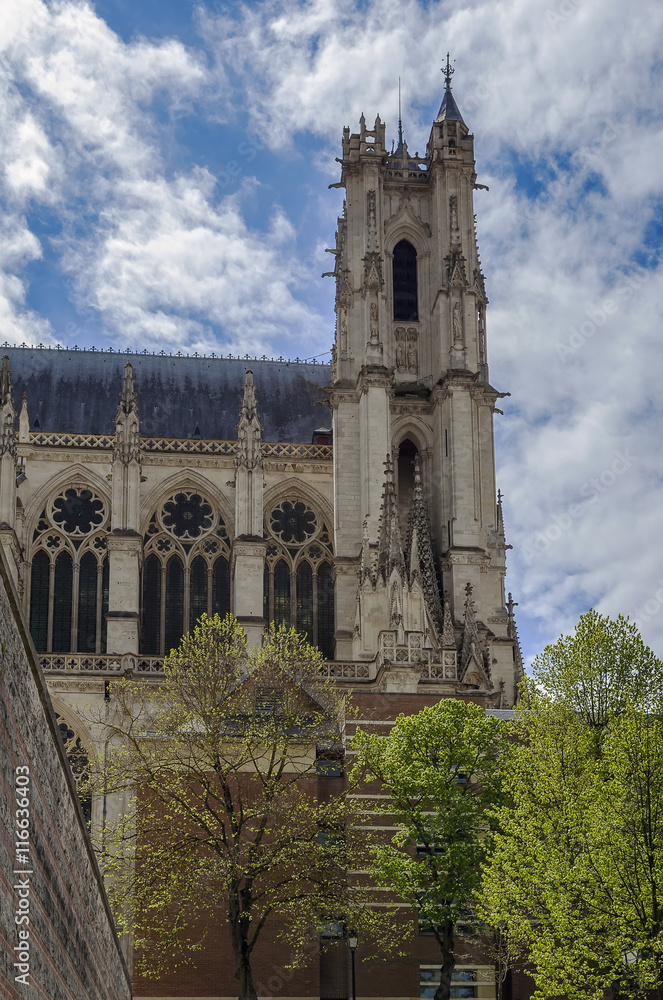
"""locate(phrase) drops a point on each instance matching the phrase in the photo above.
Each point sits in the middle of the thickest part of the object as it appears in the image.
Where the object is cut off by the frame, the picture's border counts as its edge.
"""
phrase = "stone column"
(249, 547)
(125, 543)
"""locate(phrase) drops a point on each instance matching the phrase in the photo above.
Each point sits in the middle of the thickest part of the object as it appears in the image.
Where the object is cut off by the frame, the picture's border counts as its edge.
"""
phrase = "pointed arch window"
(69, 574)
(298, 579)
(405, 282)
(186, 571)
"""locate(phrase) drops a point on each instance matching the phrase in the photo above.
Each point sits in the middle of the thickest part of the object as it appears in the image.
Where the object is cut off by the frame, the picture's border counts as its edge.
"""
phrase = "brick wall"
(72, 948)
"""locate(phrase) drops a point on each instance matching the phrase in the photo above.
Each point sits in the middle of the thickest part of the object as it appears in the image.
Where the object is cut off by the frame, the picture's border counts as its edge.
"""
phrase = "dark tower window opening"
(405, 282)
(407, 453)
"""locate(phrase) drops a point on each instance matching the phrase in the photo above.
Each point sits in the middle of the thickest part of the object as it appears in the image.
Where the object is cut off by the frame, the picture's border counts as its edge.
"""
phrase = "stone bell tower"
(413, 407)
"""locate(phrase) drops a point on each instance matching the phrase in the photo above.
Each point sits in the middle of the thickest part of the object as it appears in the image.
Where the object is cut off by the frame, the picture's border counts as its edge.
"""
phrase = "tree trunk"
(239, 926)
(446, 941)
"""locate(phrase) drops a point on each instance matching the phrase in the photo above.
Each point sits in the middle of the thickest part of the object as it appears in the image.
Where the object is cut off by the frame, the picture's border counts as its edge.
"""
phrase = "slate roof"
(449, 109)
(77, 392)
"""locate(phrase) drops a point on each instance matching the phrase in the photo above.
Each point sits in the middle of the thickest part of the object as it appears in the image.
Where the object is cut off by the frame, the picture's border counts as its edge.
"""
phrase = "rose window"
(293, 522)
(78, 511)
(187, 515)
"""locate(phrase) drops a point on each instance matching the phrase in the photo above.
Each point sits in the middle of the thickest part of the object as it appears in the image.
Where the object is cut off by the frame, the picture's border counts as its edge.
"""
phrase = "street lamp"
(353, 941)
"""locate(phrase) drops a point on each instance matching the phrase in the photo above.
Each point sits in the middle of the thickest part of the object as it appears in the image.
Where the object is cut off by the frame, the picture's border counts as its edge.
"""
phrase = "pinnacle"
(5, 383)
(448, 109)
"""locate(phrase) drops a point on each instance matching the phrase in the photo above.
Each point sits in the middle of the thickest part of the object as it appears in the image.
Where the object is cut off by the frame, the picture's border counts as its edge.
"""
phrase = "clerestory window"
(186, 570)
(298, 581)
(69, 574)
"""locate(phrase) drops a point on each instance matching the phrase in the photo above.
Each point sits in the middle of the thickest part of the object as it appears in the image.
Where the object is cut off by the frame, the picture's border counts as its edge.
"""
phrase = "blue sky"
(164, 182)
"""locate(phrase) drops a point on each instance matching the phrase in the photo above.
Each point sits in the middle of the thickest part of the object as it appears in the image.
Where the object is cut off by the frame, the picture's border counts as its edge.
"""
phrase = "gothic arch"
(74, 475)
(68, 715)
(293, 488)
(181, 480)
(416, 430)
(406, 226)
(79, 749)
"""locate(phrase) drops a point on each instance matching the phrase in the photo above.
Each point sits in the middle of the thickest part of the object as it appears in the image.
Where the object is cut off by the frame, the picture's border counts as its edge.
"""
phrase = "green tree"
(576, 874)
(222, 753)
(440, 769)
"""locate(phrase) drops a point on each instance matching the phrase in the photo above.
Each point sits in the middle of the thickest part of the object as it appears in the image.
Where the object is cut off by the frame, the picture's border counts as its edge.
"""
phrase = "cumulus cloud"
(161, 260)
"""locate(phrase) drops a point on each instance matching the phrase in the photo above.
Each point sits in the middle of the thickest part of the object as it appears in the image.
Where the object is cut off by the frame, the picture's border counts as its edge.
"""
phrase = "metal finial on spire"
(448, 71)
(400, 117)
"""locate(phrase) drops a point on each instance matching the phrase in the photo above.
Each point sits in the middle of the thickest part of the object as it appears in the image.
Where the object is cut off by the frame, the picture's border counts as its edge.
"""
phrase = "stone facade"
(64, 924)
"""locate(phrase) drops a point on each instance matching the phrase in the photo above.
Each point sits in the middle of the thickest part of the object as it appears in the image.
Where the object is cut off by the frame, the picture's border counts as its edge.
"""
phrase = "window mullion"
(315, 606)
(73, 642)
(162, 617)
(100, 588)
(186, 567)
(51, 599)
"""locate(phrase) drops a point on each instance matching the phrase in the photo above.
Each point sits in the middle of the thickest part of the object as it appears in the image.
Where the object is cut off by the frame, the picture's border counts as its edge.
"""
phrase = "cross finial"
(448, 71)
(400, 117)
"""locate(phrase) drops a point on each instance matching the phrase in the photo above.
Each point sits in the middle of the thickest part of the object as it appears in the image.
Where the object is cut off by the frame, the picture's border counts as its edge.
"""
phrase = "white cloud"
(18, 247)
(171, 262)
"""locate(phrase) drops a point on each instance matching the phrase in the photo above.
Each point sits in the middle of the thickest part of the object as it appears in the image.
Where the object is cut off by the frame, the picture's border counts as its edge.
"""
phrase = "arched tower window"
(298, 583)
(69, 576)
(186, 571)
(405, 281)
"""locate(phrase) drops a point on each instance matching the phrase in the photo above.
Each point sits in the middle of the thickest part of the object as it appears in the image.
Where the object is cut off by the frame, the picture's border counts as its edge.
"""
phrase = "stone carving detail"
(473, 661)
(448, 636)
(401, 349)
(292, 522)
(453, 215)
(481, 331)
(457, 325)
(456, 269)
(249, 430)
(249, 467)
(373, 271)
(412, 361)
(371, 220)
(374, 334)
(126, 446)
(77, 511)
(390, 548)
(420, 550)
(406, 353)
(7, 412)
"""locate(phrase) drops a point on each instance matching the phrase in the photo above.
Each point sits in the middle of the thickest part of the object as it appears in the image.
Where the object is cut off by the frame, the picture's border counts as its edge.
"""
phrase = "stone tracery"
(298, 577)
(69, 573)
(186, 569)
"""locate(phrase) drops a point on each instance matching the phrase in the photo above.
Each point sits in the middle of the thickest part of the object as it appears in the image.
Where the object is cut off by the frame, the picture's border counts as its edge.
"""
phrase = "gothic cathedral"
(355, 500)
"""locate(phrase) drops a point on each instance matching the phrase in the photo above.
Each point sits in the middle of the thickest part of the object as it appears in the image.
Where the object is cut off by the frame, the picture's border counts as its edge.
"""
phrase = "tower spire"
(448, 109)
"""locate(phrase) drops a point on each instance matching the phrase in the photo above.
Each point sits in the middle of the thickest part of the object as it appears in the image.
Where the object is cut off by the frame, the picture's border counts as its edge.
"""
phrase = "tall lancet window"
(405, 281)
(299, 584)
(186, 571)
(69, 575)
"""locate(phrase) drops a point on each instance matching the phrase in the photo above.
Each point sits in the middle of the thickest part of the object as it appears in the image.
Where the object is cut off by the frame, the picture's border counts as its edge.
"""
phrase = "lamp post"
(353, 941)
